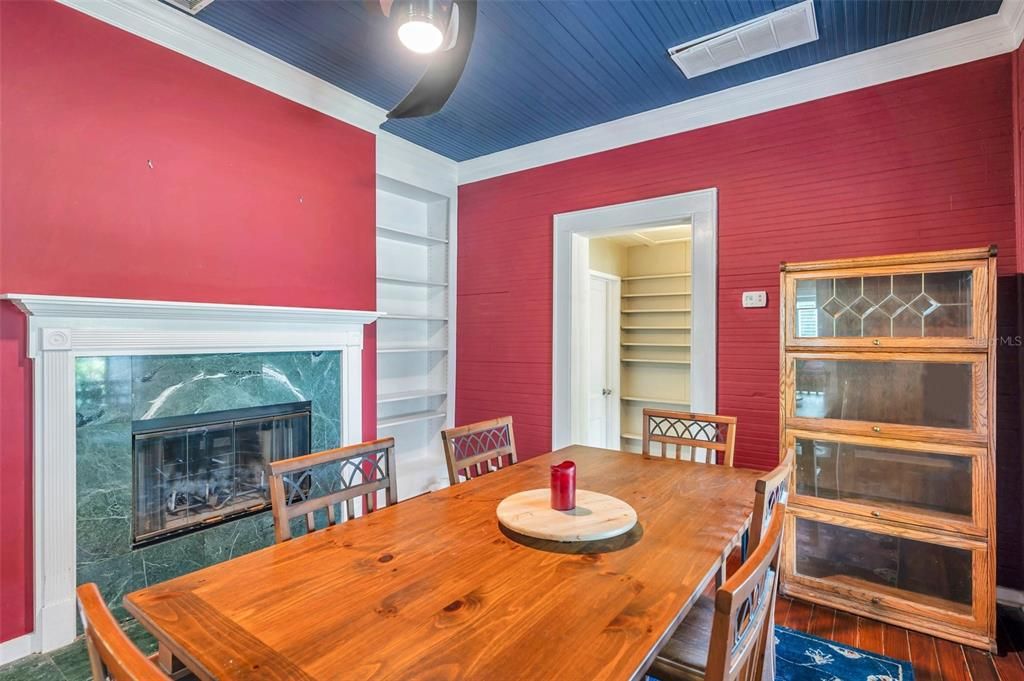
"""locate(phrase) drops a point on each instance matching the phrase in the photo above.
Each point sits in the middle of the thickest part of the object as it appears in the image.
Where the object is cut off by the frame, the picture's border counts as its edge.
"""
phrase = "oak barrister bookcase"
(887, 391)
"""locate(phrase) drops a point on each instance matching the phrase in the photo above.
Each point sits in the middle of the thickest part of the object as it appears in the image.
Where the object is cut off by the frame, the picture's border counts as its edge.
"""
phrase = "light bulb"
(422, 37)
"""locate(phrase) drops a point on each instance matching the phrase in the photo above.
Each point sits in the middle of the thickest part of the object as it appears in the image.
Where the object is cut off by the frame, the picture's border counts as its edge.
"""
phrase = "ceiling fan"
(444, 27)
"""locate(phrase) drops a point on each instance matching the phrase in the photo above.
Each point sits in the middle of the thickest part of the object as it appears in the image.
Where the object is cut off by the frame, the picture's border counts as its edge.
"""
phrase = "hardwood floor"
(933, 659)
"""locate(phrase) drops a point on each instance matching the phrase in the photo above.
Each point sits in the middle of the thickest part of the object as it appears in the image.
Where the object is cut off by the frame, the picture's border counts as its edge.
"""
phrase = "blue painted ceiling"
(540, 68)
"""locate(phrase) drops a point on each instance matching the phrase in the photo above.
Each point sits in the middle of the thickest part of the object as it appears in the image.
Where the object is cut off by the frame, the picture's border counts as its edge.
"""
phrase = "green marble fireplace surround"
(111, 392)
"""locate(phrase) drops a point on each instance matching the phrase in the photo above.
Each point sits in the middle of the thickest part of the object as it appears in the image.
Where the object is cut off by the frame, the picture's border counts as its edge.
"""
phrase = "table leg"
(171, 665)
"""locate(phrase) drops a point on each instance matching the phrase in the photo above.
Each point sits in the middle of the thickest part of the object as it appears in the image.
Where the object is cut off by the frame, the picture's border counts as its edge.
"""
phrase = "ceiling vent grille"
(781, 30)
(190, 6)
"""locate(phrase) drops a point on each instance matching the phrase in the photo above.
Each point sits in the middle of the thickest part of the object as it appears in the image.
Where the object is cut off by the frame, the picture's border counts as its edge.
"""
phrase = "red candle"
(563, 486)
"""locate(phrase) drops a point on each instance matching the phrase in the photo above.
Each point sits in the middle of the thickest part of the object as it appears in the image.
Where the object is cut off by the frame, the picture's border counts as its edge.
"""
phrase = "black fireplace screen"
(195, 471)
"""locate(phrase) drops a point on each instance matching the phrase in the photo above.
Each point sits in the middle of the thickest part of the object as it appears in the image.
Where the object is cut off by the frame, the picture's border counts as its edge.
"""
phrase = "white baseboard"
(16, 648)
(1010, 597)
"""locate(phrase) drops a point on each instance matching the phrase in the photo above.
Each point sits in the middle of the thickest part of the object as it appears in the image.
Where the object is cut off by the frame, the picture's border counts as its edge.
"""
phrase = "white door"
(602, 363)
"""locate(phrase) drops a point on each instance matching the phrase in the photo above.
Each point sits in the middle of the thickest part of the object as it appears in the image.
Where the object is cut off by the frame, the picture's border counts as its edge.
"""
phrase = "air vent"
(190, 6)
(773, 32)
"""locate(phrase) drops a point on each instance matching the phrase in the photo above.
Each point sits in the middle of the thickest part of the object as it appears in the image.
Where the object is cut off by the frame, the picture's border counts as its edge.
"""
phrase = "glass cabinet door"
(918, 396)
(923, 484)
(885, 566)
(944, 307)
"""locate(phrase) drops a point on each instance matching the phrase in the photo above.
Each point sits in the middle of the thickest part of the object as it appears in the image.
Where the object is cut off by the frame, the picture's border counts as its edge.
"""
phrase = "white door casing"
(571, 269)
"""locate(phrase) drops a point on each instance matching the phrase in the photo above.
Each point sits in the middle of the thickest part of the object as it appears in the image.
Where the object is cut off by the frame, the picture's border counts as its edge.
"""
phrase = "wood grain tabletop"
(434, 588)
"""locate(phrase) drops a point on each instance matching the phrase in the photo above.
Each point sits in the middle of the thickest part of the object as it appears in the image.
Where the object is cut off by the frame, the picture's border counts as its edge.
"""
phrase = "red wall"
(251, 199)
(918, 164)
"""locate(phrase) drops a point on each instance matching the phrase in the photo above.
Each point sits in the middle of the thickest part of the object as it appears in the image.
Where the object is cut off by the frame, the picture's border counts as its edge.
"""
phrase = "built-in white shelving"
(411, 282)
(656, 332)
(645, 360)
(413, 338)
(655, 400)
(415, 317)
(409, 395)
(657, 345)
(645, 277)
(396, 234)
(411, 417)
(656, 295)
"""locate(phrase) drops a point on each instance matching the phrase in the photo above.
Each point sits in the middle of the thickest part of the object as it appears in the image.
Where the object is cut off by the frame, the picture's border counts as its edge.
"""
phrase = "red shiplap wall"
(218, 218)
(918, 164)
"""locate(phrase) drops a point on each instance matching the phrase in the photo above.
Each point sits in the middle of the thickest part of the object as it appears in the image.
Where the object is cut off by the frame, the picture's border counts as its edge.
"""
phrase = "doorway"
(665, 327)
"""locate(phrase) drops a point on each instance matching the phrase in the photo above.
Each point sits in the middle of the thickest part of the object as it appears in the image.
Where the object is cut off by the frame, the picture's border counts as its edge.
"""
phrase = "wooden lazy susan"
(596, 516)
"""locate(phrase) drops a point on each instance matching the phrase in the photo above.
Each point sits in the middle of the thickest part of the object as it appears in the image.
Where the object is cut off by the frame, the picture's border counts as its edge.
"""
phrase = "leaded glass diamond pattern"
(914, 305)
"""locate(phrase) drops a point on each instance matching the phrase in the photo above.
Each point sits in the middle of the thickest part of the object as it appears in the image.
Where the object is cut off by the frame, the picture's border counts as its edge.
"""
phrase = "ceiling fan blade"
(439, 81)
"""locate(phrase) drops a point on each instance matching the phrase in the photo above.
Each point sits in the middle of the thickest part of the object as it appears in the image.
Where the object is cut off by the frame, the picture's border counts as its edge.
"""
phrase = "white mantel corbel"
(62, 328)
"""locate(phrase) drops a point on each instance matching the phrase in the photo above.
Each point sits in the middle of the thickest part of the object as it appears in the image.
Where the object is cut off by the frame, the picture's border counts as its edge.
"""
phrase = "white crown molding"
(978, 39)
(166, 26)
(62, 328)
(970, 41)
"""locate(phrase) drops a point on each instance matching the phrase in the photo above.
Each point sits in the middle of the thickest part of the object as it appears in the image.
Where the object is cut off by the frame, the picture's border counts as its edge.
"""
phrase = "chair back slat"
(479, 448)
(743, 605)
(770, 490)
(690, 434)
(112, 655)
(326, 481)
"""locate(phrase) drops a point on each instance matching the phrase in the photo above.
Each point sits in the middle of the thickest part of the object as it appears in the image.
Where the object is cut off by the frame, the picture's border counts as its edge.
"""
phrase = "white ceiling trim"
(978, 39)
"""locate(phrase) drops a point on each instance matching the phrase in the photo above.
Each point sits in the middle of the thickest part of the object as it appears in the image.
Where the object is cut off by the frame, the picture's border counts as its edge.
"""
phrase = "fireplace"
(199, 470)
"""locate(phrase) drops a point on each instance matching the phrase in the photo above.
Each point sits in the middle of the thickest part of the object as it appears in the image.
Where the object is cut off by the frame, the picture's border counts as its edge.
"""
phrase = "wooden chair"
(770, 490)
(709, 432)
(474, 448)
(112, 655)
(726, 640)
(303, 485)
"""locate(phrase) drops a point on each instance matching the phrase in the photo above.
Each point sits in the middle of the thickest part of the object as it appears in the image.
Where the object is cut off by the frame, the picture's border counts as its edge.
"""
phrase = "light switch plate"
(755, 299)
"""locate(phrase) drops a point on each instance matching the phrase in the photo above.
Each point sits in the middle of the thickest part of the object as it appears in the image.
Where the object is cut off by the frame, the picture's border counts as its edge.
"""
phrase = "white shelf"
(414, 317)
(659, 345)
(656, 328)
(643, 277)
(412, 348)
(385, 398)
(631, 436)
(410, 418)
(655, 361)
(412, 282)
(663, 310)
(656, 295)
(409, 237)
(654, 400)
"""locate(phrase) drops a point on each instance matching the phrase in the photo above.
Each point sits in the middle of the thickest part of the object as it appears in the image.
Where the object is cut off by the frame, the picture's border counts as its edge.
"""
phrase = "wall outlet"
(755, 299)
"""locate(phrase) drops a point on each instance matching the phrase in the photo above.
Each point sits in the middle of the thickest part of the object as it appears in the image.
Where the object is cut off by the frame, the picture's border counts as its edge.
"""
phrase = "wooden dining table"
(434, 588)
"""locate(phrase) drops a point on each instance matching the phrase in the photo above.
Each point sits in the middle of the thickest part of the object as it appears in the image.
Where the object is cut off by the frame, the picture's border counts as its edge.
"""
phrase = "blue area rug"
(802, 657)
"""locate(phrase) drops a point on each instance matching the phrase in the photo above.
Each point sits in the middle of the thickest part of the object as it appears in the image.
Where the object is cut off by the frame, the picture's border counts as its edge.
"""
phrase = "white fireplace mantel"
(62, 328)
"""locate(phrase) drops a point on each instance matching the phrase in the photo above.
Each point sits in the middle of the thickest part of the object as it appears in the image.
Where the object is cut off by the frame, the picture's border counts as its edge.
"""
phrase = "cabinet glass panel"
(925, 573)
(922, 305)
(933, 394)
(880, 476)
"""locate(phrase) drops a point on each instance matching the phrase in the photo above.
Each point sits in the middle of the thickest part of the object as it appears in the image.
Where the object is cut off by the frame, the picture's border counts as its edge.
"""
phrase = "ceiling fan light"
(420, 35)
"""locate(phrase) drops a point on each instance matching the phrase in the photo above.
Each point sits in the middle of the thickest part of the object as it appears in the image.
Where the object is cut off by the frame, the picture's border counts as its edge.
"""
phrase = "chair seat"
(684, 657)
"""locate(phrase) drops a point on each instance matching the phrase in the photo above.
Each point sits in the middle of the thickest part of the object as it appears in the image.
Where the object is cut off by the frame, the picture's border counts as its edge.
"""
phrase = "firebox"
(199, 470)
